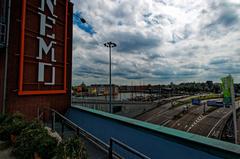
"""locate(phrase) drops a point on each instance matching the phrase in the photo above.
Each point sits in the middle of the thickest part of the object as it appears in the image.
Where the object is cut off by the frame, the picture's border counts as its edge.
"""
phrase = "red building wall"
(28, 104)
(2, 64)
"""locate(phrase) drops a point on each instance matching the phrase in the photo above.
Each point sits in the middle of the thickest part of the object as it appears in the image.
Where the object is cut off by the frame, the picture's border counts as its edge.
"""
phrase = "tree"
(84, 87)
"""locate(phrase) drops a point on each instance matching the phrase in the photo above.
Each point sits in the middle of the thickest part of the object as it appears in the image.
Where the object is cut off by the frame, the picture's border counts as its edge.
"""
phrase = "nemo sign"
(43, 50)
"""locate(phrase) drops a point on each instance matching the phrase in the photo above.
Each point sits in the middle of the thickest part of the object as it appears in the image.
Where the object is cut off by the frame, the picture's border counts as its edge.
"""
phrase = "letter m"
(43, 47)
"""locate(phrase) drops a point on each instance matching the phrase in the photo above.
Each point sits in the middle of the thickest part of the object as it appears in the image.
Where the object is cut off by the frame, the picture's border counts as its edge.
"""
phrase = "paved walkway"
(6, 154)
(93, 151)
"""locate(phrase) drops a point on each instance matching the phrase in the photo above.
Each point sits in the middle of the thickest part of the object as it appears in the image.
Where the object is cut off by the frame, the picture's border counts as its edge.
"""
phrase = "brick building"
(35, 55)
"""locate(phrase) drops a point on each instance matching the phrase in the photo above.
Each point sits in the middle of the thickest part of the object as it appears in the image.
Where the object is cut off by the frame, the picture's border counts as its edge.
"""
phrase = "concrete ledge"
(4, 145)
(6, 154)
(215, 147)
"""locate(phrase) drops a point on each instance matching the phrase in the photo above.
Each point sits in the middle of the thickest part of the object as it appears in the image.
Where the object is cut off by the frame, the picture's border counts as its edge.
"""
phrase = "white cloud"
(158, 40)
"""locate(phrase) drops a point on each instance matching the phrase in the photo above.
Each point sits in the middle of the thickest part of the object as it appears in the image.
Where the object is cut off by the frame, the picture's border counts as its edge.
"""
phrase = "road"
(188, 120)
(169, 115)
(212, 124)
(159, 109)
(155, 112)
(195, 120)
(209, 123)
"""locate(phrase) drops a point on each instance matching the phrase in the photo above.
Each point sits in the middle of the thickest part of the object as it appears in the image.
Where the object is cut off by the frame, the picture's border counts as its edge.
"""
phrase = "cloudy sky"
(159, 41)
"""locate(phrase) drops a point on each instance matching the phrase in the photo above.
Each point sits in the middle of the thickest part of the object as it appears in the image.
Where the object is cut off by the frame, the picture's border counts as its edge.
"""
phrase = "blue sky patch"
(84, 26)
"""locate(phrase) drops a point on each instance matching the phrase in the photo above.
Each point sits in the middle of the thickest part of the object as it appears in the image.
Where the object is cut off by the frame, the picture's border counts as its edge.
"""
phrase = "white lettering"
(43, 25)
(44, 48)
(41, 73)
(50, 4)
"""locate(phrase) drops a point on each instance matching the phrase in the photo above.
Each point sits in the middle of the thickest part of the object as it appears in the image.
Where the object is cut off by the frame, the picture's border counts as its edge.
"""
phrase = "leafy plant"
(17, 126)
(2, 118)
(47, 147)
(11, 124)
(72, 148)
(34, 139)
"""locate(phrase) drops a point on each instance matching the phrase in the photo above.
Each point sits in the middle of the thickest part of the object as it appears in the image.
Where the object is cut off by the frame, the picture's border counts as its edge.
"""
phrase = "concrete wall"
(152, 140)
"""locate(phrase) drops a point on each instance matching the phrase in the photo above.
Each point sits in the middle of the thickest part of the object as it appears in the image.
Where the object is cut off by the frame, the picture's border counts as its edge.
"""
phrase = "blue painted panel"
(150, 144)
(215, 103)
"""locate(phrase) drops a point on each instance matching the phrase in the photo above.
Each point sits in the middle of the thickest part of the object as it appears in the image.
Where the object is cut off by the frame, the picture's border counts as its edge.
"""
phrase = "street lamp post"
(110, 45)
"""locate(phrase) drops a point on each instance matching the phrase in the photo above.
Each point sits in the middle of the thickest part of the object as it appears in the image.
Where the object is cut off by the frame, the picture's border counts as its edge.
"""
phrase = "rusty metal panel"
(28, 104)
(2, 68)
(43, 52)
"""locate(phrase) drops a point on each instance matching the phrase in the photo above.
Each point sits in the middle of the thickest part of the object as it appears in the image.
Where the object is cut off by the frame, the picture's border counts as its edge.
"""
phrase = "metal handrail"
(126, 147)
(78, 130)
(87, 135)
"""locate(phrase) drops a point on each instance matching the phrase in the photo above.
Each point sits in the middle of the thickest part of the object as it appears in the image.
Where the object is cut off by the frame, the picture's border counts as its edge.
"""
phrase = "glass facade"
(3, 21)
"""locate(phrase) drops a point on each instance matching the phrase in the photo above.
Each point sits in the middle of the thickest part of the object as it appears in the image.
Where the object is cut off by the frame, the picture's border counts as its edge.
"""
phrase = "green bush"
(72, 148)
(11, 124)
(35, 139)
(17, 126)
(32, 138)
(46, 147)
(2, 118)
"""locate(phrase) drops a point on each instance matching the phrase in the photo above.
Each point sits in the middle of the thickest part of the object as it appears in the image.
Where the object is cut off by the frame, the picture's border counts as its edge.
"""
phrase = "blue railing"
(125, 147)
(48, 115)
